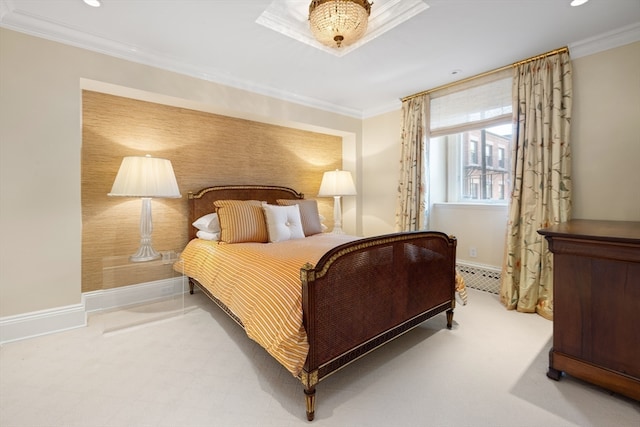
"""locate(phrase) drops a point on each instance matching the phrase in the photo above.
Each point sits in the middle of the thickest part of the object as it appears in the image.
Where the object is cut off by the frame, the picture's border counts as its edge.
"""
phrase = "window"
(471, 134)
(474, 187)
(488, 154)
(473, 152)
(471, 179)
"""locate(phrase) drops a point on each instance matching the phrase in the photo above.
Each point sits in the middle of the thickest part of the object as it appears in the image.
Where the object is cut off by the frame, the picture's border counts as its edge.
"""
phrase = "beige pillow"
(308, 214)
(241, 221)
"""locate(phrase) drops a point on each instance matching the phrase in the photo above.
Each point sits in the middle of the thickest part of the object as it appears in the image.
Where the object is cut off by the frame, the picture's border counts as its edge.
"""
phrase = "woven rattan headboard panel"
(201, 202)
(205, 149)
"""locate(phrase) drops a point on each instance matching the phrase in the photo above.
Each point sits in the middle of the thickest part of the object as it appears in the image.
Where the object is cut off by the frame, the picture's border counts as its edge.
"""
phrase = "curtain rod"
(487, 73)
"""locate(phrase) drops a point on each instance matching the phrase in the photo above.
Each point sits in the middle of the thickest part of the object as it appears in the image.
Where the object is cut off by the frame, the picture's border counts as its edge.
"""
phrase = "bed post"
(453, 242)
(310, 380)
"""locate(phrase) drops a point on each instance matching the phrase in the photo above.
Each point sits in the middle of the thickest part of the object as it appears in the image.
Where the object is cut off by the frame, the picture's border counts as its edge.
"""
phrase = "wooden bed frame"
(360, 295)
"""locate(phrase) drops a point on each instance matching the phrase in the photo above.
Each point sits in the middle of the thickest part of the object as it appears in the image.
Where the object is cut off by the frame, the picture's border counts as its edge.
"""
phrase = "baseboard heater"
(482, 277)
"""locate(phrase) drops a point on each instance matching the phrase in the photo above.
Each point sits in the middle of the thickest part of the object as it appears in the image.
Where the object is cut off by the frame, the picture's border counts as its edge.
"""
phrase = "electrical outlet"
(473, 252)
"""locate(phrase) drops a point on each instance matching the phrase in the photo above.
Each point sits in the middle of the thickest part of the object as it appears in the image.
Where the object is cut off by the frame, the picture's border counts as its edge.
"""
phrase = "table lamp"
(145, 177)
(336, 184)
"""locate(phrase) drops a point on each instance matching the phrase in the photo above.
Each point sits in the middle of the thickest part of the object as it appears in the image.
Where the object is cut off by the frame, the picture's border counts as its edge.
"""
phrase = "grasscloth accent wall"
(205, 149)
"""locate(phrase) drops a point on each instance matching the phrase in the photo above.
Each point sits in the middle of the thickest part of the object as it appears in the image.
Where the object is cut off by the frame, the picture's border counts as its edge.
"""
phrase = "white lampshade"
(337, 183)
(145, 177)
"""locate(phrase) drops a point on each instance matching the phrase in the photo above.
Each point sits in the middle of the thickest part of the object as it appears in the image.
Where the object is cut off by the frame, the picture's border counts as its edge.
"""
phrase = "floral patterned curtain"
(541, 191)
(411, 210)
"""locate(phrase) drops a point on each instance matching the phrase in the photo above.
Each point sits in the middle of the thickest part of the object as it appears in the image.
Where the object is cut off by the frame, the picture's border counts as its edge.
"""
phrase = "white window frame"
(452, 177)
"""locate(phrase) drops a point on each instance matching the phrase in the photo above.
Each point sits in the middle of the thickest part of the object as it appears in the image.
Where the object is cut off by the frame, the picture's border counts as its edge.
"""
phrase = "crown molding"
(25, 23)
(610, 40)
(17, 20)
(396, 105)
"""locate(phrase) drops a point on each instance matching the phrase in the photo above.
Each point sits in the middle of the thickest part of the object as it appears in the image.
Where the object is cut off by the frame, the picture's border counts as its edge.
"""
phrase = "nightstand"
(136, 293)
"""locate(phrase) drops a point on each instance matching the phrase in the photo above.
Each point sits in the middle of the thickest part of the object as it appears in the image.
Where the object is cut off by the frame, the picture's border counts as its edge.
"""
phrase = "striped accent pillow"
(308, 214)
(241, 221)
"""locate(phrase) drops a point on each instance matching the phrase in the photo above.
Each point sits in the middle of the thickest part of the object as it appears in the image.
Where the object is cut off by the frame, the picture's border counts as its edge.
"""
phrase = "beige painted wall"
(381, 163)
(40, 146)
(605, 144)
(40, 142)
(606, 135)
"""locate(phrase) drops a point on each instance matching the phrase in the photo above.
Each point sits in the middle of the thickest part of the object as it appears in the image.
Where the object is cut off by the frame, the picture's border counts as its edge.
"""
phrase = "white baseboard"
(29, 325)
(22, 326)
(124, 296)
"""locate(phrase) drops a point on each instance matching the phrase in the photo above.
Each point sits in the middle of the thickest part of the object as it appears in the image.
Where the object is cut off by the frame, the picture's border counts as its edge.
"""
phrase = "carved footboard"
(363, 294)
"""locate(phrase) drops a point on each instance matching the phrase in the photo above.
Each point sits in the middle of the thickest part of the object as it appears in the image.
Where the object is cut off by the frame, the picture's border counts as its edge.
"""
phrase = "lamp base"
(145, 253)
(337, 216)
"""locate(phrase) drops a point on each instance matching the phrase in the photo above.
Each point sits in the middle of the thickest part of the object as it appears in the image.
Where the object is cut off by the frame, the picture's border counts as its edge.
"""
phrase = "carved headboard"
(201, 202)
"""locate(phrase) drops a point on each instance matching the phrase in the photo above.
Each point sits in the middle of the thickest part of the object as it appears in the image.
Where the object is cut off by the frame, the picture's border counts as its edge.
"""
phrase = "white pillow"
(208, 223)
(308, 214)
(207, 235)
(283, 222)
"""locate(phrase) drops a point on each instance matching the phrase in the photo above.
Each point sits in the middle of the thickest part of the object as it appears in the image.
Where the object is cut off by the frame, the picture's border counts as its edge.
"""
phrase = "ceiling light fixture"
(93, 3)
(337, 23)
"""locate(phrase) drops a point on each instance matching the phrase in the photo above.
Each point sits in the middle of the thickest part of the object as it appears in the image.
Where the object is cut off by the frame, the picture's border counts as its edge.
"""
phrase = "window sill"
(465, 205)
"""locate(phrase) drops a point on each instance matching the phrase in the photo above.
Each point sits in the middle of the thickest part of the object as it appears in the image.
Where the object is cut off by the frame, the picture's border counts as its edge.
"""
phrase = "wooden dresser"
(596, 293)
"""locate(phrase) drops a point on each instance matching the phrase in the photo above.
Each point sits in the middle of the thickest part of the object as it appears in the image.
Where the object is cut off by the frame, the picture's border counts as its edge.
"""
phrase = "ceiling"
(220, 41)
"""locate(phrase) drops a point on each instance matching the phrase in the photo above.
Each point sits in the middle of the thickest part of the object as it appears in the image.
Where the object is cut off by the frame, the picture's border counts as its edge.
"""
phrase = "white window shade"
(475, 105)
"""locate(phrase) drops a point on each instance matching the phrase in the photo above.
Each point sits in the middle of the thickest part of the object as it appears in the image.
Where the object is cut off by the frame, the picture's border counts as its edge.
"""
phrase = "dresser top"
(623, 231)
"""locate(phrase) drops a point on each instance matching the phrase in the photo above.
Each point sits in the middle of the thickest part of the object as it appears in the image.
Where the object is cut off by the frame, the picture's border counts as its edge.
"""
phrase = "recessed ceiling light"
(578, 2)
(94, 3)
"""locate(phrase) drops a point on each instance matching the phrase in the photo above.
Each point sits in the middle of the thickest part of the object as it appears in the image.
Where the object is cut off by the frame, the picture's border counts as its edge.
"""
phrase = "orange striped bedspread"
(260, 284)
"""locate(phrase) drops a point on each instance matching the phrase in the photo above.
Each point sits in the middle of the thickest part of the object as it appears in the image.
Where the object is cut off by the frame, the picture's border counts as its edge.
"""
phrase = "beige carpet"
(199, 369)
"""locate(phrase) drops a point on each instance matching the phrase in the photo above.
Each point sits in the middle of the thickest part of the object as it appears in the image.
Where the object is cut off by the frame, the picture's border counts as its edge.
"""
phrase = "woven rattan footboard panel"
(375, 287)
(351, 356)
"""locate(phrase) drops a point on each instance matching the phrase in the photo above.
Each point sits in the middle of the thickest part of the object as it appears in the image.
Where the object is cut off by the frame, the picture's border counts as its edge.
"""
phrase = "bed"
(325, 299)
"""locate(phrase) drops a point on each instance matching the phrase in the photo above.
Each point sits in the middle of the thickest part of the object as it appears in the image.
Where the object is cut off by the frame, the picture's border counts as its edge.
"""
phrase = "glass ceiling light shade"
(578, 2)
(336, 184)
(145, 177)
(337, 23)
(93, 3)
